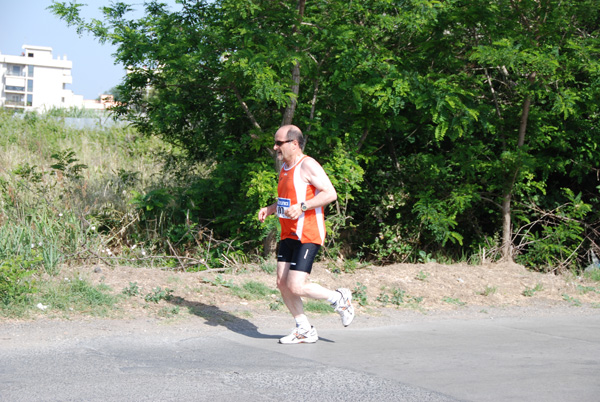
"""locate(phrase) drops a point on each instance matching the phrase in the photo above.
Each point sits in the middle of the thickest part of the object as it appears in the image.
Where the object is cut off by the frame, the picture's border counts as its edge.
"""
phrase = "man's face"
(283, 146)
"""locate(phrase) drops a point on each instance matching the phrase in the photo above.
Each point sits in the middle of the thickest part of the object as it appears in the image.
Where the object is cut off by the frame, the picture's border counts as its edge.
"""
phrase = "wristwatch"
(303, 207)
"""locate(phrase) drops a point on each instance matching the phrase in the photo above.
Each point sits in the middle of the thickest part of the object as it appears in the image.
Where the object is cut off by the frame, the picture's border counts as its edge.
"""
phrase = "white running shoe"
(300, 335)
(344, 306)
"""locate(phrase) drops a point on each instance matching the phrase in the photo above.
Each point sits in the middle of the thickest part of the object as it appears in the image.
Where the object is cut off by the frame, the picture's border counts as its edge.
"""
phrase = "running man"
(303, 192)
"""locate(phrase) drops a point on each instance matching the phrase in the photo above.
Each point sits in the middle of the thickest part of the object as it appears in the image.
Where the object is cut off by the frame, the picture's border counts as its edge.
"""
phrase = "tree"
(450, 112)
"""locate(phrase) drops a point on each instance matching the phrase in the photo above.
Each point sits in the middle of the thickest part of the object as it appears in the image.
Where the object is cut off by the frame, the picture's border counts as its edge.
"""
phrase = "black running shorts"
(300, 255)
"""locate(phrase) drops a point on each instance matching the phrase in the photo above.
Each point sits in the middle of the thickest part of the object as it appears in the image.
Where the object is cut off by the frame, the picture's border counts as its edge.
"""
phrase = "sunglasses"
(280, 143)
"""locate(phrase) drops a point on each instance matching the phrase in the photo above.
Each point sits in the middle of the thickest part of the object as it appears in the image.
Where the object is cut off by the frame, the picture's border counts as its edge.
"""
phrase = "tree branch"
(246, 108)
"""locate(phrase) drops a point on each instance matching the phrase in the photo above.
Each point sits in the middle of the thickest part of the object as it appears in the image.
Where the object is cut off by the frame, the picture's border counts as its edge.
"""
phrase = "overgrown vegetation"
(71, 196)
(451, 132)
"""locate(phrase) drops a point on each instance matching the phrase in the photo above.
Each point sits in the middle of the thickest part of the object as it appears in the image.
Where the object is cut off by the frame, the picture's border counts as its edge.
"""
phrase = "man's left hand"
(294, 211)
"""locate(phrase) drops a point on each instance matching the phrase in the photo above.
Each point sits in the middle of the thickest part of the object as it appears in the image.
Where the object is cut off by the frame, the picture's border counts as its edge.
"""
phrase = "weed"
(351, 265)
(529, 292)
(16, 282)
(454, 301)
(132, 290)
(253, 290)
(383, 298)
(359, 293)
(159, 294)
(415, 301)
(488, 291)
(78, 295)
(593, 275)
(268, 266)
(51, 256)
(425, 257)
(422, 276)
(575, 302)
(168, 311)
(65, 162)
(398, 298)
(586, 289)
(276, 304)
(317, 307)
(219, 281)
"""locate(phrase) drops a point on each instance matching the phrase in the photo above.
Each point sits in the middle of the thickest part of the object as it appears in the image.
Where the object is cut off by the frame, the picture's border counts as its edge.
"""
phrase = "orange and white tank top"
(310, 226)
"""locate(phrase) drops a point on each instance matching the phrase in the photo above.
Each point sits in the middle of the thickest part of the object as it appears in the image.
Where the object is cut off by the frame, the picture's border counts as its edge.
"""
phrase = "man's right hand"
(263, 213)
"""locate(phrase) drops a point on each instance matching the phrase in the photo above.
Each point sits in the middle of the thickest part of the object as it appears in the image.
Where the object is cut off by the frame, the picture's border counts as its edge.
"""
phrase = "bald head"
(293, 133)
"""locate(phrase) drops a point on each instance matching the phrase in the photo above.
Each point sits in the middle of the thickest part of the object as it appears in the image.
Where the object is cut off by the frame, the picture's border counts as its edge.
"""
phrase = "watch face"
(304, 208)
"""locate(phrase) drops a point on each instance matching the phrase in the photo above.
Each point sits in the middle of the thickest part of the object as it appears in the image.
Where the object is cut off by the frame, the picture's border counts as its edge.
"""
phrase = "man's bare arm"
(313, 173)
(266, 211)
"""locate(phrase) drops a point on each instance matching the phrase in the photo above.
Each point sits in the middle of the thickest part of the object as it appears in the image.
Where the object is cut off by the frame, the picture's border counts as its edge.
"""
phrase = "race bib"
(282, 205)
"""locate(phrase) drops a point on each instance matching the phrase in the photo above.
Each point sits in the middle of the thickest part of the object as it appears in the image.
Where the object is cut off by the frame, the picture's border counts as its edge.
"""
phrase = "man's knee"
(282, 285)
(295, 283)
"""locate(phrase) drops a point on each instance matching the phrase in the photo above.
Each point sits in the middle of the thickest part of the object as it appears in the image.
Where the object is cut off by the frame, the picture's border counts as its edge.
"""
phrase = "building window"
(16, 70)
(29, 54)
(29, 99)
(29, 85)
(30, 71)
(13, 88)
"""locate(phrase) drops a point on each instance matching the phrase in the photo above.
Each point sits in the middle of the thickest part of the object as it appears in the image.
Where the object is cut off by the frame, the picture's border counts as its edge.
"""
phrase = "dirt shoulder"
(424, 289)
(205, 302)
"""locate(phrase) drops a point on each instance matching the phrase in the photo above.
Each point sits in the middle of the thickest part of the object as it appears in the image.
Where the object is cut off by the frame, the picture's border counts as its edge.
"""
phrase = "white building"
(36, 81)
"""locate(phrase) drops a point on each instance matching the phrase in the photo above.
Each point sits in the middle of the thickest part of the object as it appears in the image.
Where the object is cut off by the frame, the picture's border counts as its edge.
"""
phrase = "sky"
(29, 22)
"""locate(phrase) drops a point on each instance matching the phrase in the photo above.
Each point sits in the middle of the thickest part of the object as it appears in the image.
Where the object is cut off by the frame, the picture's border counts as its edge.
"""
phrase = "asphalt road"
(544, 358)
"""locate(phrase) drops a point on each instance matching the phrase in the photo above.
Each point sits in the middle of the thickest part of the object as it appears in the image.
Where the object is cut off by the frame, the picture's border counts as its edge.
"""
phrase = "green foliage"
(436, 122)
(220, 281)
(66, 163)
(157, 294)
(253, 290)
(453, 300)
(553, 239)
(270, 267)
(572, 300)
(398, 298)
(77, 294)
(317, 307)
(422, 276)
(168, 312)
(276, 304)
(587, 289)
(359, 293)
(132, 290)
(16, 281)
(152, 202)
(488, 291)
(529, 292)
(593, 275)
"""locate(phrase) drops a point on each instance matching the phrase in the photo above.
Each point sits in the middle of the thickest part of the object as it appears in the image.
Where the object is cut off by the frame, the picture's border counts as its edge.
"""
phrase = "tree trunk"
(507, 249)
(270, 242)
(506, 228)
(288, 115)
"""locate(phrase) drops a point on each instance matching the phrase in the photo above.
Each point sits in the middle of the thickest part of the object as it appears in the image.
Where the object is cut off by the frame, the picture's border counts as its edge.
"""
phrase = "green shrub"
(16, 279)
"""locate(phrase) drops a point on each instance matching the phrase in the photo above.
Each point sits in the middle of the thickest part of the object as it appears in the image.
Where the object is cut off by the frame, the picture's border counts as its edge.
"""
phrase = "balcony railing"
(9, 88)
(14, 103)
(13, 74)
